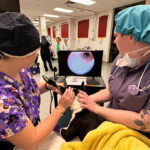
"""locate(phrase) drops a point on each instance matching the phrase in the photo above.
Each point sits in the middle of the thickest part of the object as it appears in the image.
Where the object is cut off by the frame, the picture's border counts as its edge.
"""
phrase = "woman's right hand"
(86, 101)
(67, 98)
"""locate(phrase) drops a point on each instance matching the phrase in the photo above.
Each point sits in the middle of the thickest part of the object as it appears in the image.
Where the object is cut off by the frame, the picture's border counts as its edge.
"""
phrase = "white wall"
(58, 33)
(93, 41)
(43, 30)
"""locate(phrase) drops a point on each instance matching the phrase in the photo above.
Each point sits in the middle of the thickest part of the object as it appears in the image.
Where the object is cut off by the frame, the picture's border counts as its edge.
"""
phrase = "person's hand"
(48, 86)
(85, 101)
(60, 84)
(67, 98)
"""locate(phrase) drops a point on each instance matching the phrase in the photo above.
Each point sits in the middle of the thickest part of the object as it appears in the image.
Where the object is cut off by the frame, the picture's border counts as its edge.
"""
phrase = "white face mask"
(130, 62)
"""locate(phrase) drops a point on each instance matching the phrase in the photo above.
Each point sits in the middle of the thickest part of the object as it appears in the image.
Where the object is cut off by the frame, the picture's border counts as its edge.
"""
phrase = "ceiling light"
(63, 10)
(37, 19)
(35, 22)
(36, 25)
(53, 16)
(84, 2)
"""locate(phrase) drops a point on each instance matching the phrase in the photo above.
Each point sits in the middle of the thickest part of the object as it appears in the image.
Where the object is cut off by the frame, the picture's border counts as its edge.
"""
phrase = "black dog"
(83, 122)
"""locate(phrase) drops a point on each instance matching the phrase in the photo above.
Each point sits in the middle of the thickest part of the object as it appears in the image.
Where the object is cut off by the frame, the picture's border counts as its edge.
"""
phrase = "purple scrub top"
(19, 103)
(120, 80)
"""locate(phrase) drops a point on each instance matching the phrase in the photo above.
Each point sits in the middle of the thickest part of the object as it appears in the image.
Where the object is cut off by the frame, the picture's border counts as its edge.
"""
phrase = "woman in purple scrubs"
(19, 93)
(129, 83)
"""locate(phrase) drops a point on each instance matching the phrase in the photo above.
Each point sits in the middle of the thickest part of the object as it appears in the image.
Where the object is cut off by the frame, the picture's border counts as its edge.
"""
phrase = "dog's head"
(75, 106)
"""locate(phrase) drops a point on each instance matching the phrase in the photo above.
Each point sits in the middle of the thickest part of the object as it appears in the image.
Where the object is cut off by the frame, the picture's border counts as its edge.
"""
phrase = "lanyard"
(144, 88)
(112, 76)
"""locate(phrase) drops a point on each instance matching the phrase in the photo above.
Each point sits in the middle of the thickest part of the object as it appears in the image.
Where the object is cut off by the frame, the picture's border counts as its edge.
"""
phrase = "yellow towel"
(110, 136)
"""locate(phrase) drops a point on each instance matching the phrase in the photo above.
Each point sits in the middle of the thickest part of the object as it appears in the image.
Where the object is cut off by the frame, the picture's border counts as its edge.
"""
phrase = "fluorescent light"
(36, 25)
(53, 16)
(63, 10)
(35, 22)
(37, 19)
(84, 2)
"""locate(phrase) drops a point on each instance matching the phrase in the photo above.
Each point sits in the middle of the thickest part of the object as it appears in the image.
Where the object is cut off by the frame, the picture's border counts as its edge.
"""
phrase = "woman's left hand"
(85, 101)
(54, 89)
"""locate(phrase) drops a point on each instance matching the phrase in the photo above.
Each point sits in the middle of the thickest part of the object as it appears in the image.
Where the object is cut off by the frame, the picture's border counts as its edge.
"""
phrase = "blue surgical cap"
(134, 21)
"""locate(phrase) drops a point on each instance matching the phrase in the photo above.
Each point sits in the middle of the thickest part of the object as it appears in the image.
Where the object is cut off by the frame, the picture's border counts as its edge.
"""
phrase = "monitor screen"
(80, 63)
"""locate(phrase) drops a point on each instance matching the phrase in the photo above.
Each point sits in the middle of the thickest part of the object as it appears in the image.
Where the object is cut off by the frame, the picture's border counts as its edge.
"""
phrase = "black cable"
(52, 96)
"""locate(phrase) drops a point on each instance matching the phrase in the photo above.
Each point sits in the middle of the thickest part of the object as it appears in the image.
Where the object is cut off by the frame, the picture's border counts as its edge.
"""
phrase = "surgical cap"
(18, 36)
(134, 21)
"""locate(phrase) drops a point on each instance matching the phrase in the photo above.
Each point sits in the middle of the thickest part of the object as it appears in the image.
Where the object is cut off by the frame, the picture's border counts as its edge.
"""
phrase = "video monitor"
(80, 63)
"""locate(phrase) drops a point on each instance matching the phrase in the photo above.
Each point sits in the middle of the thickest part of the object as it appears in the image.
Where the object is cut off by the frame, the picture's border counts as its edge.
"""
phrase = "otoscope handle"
(53, 83)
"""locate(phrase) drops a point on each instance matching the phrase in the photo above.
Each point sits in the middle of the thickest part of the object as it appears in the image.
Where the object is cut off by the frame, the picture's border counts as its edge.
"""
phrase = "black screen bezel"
(65, 71)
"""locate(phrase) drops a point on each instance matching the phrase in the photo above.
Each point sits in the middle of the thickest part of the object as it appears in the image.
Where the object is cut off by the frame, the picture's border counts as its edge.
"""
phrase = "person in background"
(52, 54)
(49, 39)
(45, 53)
(19, 92)
(58, 46)
(65, 45)
(129, 83)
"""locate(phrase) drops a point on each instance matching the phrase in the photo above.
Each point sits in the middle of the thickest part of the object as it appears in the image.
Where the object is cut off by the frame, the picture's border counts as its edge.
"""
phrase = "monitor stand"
(93, 78)
(55, 76)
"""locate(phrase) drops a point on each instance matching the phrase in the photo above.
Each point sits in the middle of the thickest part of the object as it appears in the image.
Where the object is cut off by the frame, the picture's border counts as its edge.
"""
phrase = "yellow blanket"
(110, 136)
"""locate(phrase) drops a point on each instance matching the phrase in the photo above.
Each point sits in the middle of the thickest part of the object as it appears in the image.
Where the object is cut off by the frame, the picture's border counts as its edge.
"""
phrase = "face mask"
(127, 61)
(130, 62)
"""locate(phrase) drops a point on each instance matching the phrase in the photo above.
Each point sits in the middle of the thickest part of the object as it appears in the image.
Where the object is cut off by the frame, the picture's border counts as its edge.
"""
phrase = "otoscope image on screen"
(80, 63)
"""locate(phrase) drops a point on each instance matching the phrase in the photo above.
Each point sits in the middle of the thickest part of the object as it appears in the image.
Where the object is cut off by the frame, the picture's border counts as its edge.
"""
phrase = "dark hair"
(43, 39)
(58, 38)
(2, 55)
